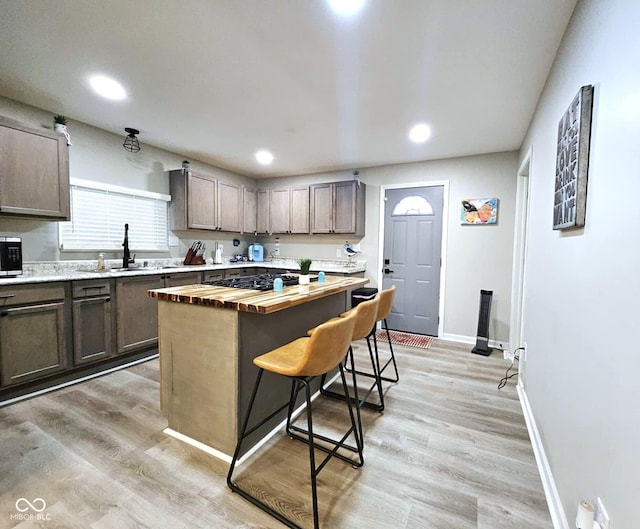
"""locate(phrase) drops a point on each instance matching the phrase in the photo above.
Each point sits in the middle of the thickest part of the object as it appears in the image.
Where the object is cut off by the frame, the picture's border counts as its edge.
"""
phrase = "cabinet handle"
(6, 296)
(107, 300)
(3, 314)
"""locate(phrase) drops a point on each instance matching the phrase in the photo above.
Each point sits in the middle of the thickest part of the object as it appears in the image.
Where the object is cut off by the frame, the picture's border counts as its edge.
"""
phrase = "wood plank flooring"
(450, 451)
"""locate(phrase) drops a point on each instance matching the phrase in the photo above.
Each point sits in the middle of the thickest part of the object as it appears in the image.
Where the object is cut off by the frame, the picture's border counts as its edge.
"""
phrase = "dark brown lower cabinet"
(137, 314)
(93, 322)
(32, 333)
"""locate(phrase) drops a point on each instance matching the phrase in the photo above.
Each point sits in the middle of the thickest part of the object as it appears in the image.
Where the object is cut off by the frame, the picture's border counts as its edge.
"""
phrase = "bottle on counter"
(101, 265)
(321, 277)
(277, 284)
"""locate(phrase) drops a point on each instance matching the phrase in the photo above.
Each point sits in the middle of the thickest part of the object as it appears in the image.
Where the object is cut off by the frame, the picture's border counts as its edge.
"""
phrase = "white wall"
(477, 257)
(582, 287)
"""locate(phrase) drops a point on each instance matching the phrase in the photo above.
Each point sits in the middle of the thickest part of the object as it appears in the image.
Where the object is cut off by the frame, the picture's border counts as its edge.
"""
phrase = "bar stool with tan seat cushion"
(384, 309)
(301, 360)
(366, 312)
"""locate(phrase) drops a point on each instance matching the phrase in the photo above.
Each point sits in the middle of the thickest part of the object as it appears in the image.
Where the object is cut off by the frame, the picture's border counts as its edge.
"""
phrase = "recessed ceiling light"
(107, 87)
(264, 157)
(346, 7)
(420, 133)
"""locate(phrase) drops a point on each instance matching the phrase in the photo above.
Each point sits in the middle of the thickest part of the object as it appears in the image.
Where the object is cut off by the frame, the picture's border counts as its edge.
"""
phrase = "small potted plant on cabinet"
(305, 265)
(60, 125)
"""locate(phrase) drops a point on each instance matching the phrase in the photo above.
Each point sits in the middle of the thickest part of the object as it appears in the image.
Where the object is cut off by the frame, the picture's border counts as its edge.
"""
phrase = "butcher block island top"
(256, 301)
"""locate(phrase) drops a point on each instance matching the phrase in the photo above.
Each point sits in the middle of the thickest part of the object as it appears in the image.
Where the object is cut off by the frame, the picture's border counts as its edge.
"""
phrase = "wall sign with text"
(572, 162)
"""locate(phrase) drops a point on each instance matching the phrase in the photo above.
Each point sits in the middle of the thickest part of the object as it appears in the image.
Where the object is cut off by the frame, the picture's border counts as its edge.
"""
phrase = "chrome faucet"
(126, 257)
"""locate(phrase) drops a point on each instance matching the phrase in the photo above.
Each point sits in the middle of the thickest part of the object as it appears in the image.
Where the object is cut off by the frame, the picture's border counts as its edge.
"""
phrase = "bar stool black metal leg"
(391, 360)
(356, 428)
(360, 402)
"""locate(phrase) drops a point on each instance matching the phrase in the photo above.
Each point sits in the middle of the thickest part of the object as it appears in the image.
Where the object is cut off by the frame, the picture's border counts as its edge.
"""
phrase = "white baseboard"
(460, 338)
(556, 510)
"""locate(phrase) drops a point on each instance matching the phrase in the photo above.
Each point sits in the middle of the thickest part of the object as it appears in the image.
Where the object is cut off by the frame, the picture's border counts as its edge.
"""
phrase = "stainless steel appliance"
(10, 256)
(257, 282)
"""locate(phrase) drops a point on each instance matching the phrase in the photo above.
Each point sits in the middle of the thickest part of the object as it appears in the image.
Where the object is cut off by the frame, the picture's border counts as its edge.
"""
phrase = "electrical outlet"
(339, 252)
(601, 515)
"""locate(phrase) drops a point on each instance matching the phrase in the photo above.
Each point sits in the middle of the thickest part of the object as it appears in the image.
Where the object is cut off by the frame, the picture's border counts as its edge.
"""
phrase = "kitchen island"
(208, 338)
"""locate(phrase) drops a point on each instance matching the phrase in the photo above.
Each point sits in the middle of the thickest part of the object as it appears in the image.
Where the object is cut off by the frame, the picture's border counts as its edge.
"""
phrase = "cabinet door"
(249, 210)
(229, 196)
(299, 210)
(137, 314)
(34, 172)
(344, 207)
(201, 203)
(263, 220)
(279, 207)
(92, 326)
(32, 342)
(322, 208)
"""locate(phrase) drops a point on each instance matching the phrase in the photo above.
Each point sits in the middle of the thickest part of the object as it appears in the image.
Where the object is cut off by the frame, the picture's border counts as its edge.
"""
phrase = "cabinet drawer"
(91, 288)
(24, 294)
(213, 275)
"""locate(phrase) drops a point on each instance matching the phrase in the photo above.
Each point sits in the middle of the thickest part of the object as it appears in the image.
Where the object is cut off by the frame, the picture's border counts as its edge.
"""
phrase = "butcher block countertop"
(256, 301)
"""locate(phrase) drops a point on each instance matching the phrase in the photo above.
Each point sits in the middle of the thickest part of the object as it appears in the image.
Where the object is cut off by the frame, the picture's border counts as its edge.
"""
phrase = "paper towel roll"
(586, 512)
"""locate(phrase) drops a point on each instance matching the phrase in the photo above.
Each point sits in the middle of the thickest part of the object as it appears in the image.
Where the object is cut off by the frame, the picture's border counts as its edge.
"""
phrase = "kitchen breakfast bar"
(208, 338)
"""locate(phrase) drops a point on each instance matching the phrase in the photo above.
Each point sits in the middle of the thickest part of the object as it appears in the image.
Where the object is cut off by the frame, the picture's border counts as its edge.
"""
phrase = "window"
(413, 205)
(99, 213)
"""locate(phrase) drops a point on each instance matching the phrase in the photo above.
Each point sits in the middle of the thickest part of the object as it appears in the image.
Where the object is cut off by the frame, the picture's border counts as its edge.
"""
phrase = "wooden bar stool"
(366, 313)
(301, 361)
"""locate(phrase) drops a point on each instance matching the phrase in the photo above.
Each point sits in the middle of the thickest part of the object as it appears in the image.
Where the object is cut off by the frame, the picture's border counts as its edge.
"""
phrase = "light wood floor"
(450, 451)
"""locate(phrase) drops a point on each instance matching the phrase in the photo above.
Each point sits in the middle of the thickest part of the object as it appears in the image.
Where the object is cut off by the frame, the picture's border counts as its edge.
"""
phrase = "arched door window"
(413, 205)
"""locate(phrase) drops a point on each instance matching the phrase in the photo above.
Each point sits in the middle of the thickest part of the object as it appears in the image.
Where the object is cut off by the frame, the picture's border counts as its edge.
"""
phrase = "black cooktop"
(257, 282)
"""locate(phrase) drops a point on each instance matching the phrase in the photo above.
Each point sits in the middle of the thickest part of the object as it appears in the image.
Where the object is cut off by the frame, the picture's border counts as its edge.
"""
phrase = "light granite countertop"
(46, 272)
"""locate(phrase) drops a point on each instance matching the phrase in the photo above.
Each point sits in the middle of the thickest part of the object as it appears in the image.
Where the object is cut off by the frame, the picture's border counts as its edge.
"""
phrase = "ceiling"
(217, 80)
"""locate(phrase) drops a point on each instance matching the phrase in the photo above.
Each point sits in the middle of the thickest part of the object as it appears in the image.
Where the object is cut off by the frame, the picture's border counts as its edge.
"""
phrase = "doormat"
(405, 338)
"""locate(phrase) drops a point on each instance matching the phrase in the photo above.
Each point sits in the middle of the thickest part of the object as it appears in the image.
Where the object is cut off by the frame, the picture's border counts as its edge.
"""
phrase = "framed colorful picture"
(479, 211)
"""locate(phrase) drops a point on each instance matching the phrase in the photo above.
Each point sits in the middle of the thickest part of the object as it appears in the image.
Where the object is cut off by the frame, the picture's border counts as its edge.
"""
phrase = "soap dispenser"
(101, 265)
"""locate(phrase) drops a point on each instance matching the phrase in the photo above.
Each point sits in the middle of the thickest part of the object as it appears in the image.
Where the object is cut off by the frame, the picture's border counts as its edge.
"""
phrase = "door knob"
(387, 271)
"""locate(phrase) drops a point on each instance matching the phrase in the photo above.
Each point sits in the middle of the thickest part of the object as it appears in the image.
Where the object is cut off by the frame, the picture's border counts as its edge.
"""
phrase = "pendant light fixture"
(131, 142)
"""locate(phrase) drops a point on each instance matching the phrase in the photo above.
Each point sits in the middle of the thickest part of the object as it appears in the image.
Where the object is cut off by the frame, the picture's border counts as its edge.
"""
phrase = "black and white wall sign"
(572, 162)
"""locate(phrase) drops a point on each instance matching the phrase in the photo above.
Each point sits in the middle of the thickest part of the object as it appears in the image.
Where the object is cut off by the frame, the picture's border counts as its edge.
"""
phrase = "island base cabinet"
(32, 342)
(207, 370)
(198, 372)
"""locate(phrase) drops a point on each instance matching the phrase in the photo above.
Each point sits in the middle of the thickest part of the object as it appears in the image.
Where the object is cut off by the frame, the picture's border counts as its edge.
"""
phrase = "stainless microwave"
(10, 256)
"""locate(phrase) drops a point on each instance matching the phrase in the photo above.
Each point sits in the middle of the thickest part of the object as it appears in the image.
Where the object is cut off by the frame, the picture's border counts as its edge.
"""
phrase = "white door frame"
(519, 256)
(445, 231)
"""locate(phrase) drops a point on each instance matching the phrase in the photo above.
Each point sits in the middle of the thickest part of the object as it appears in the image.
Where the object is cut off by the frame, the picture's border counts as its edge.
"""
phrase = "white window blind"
(99, 213)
